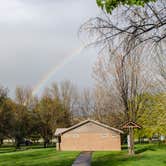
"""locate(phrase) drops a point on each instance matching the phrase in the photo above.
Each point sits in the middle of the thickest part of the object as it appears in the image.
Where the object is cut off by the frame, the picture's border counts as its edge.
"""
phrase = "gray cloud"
(37, 35)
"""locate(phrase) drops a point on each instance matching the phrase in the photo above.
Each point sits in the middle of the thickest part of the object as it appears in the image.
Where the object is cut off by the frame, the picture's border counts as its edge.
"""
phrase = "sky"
(39, 43)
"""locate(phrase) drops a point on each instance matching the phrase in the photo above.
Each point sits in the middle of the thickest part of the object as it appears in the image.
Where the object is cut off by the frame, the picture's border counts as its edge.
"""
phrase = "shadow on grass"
(10, 149)
(148, 148)
(44, 157)
(143, 148)
(65, 162)
(7, 150)
(118, 158)
(115, 159)
(124, 147)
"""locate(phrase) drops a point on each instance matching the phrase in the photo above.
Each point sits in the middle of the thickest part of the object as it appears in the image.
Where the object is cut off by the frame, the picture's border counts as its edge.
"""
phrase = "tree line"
(32, 118)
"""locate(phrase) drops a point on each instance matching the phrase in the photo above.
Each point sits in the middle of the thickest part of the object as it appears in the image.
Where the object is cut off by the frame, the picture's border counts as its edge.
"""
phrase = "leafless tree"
(130, 26)
(66, 93)
(125, 79)
(161, 64)
(86, 104)
(107, 108)
(23, 96)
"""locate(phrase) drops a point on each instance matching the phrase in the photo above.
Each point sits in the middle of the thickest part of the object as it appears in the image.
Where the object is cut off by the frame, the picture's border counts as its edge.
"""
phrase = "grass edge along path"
(146, 155)
(38, 157)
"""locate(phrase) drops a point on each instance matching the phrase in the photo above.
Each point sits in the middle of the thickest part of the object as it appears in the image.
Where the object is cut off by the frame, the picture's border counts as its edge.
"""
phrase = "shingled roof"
(61, 131)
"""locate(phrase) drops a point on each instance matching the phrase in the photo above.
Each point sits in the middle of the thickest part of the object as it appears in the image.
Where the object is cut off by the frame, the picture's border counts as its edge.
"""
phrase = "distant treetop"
(109, 5)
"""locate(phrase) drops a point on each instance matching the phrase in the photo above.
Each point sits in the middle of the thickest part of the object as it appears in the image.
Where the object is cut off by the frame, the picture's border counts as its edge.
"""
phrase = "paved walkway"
(84, 159)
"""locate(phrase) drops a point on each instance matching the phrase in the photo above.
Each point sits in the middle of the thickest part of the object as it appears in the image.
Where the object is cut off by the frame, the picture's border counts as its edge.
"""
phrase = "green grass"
(11, 148)
(146, 155)
(35, 157)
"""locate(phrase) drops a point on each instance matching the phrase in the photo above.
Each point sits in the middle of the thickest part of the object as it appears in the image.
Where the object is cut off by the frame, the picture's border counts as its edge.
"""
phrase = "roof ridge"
(86, 121)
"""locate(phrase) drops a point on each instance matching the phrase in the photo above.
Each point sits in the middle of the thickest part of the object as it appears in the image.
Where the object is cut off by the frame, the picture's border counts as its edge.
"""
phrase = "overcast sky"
(37, 35)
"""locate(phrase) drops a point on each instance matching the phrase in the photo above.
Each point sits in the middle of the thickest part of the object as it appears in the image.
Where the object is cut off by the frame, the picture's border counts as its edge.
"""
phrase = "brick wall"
(91, 137)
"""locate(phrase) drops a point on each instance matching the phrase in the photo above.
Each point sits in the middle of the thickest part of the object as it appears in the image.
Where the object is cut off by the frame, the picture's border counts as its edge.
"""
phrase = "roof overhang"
(58, 132)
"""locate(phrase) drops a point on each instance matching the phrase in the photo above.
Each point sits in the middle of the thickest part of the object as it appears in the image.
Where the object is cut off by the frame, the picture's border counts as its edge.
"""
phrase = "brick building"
(88, 135)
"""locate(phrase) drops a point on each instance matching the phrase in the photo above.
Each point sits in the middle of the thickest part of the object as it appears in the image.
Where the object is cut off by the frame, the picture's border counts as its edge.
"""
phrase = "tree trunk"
(150, 140)
(17, 144)
(45, 144)
(46, 141)
(1, 141)
(131, 142)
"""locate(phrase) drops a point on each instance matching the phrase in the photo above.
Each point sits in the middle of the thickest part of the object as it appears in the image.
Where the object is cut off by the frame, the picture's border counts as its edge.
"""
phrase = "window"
(104, 135)
(114, 135)
(66, 135)
(75, 135)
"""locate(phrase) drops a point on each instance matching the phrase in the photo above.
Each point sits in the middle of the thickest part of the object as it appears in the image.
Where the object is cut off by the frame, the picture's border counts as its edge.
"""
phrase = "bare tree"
(66, 93)
(132, 26)
(107, 108)
(161, 64)
(23, 96)
(86, 104)
(124, 78)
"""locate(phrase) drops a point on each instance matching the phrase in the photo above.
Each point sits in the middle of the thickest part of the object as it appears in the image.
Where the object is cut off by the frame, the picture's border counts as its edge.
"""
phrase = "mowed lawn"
(36, 157)
(146, 155)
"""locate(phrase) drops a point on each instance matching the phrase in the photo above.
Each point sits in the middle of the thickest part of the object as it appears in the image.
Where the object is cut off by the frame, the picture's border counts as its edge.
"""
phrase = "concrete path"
(84, 159)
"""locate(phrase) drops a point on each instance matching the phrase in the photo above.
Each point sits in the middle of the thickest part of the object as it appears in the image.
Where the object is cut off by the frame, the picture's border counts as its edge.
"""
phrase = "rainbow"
(51, 73)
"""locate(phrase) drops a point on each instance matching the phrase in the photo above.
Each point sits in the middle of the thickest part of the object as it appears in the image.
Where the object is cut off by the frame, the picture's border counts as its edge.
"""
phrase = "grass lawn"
(146, 155)
(36, 157)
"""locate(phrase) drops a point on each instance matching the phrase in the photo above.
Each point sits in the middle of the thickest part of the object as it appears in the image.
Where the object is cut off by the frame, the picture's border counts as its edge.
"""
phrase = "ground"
(149, 155)
(36, 157)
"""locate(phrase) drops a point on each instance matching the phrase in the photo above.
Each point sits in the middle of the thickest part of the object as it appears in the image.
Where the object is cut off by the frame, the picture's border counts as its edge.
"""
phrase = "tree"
(133, 26)
(46, 113)
(107, 108)
(109, 5)
(124, 77)
(3, 116)
(3, 94)
(126, 34)
(86, 104)
(51, 113)
(29, 117)
(152, 115)
(6, 120)
(141, 26)
(34, 132)
(161, 65)
(21, 124)
(22, 114)
(23, 96)
(67, 95)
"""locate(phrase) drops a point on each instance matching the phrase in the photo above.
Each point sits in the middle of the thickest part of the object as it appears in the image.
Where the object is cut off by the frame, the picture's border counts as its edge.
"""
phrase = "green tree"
(3, 113)
(51, 114)
(34, 127)
(109, 5)
(22, 115)
(6, 120)
(21, 124)
(152, 115)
